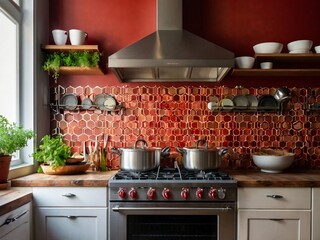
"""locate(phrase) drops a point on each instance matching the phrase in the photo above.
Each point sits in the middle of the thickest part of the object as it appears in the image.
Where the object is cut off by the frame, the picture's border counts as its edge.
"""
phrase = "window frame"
(23, 16)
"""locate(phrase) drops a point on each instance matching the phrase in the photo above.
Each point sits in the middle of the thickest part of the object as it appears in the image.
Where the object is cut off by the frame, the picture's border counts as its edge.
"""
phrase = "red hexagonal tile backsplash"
(179, 116)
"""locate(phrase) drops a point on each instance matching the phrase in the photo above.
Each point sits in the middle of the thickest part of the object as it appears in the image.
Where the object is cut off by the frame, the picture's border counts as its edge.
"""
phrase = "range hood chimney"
(171, 54)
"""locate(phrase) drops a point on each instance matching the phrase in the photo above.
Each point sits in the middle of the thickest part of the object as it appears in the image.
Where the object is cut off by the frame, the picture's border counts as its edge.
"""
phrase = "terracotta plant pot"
(4, 168)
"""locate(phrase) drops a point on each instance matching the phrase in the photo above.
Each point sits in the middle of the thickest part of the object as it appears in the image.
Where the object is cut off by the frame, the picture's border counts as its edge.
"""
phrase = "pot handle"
(180, 150)
(116, 151)
(165, 152)
(145, 145)
(223, 152)
(204, 141)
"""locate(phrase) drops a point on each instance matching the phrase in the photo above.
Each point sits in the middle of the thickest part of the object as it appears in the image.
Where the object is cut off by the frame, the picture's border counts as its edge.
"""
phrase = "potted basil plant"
(12, 138)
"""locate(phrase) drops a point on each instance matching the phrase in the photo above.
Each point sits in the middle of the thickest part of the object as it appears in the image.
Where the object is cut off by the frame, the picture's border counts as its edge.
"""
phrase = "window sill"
(21, 170)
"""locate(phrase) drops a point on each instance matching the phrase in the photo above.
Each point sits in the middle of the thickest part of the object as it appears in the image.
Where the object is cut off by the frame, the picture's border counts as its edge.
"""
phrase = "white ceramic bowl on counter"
(268, 47)
(272, 163)
(244, 62)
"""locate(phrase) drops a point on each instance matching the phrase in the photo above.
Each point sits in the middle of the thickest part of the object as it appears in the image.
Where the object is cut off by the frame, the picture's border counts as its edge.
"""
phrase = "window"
(16, 55)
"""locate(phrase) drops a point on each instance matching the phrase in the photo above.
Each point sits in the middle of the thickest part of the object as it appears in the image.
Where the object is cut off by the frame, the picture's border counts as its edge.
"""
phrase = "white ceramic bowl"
(300, 44)
(266, 65)
(272, 163)
(317, 49)
(244, 62)
(268, 47)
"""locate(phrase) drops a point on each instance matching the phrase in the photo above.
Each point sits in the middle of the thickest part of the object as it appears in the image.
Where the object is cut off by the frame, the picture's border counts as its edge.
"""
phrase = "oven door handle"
(117, 208)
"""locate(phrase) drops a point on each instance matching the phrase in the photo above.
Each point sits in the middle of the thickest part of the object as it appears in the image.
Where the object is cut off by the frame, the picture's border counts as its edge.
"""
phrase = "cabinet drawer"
(70, 196)
(274, 198)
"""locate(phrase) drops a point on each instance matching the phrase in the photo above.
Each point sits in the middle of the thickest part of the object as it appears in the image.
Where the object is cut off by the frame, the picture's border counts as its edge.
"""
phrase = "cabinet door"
(18, 224)
(274, 224)
(315, 214)
(70, 224)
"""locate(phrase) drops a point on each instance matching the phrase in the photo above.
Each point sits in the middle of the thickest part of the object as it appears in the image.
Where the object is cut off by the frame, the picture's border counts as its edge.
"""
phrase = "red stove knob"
(221, 193)
(133, 193)
(200, 193)
(212, 193)
(151, 193)
(166, 193)
(185, 193)
(122, 193)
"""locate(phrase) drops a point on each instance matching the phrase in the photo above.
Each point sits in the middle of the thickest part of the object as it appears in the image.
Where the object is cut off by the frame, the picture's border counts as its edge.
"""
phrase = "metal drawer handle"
(69, 195)
(71, 217)
(275, 196)
(12, 219)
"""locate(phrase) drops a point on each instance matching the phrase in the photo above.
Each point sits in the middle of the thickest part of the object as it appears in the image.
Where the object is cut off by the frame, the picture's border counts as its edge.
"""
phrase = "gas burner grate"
(202, 175)
(173, 175)
(127, 175)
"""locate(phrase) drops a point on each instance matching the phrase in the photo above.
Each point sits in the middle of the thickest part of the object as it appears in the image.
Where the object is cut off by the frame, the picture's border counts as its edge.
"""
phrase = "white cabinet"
(315, 214)
(70, 213)
(274, 213)
(16, 224)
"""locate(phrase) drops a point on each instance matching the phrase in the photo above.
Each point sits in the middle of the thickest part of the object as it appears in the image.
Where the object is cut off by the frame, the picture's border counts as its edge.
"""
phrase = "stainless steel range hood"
(171, 54)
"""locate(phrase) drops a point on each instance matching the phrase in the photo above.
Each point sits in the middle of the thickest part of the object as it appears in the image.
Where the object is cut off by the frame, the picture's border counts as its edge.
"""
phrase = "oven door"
(155, 221)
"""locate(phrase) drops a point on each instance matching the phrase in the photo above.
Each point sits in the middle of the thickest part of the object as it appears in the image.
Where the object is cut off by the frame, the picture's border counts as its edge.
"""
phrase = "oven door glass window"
(160, 227)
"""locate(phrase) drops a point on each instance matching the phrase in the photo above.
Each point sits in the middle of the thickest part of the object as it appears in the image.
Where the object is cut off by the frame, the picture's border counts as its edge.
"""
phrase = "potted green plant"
(55, 60)
(12, 139)
(52, 151)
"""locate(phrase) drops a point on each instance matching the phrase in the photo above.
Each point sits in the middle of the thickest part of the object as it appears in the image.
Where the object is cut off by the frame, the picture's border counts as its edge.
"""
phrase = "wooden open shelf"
(75, 70)
(289, 67)
(66, 48)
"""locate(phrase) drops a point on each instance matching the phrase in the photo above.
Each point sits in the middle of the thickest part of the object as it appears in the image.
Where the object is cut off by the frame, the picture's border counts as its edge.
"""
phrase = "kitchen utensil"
(266, 65)
(273, 163)
(109, 103)
(282, 94)
(268, 102)
(244, 62)
(65, 170)
(241, 101)
(300, 45)
(268, 47)
(99, 101)
(317, 49)
(252, 100)
(77, 37)
(138, 158)
(69, 101)
(226, 103)
(202, 158)
(60, 36)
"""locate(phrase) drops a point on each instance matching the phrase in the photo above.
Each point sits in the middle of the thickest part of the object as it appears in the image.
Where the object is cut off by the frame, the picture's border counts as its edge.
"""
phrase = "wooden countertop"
(13, 198)
(88, 179)
(253, 178)
(245, 178)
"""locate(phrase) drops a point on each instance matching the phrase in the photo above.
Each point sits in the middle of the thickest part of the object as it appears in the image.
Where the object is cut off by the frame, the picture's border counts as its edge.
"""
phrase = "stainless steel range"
(172, 204)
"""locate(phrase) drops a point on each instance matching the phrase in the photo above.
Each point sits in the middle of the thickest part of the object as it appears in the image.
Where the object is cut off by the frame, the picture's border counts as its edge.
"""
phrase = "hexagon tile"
(179, 116)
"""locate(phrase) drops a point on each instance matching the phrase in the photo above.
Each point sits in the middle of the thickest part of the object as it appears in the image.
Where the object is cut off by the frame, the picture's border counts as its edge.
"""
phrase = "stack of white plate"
(300, 46)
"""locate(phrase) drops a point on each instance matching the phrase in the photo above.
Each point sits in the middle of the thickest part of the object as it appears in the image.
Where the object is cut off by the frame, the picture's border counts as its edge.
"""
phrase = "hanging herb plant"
(56, 60)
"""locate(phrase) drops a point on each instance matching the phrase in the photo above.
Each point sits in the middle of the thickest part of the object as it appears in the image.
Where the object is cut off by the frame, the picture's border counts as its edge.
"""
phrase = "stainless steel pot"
(138, 159)
(202, 158)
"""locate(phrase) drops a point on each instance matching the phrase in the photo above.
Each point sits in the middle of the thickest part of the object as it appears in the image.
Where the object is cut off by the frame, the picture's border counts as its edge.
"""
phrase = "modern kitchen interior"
(164, 119)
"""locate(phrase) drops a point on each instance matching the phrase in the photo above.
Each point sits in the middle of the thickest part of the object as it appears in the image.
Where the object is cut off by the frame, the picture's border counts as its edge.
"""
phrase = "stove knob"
(185, 193)
(200, 193)
(133, 193)
(151, 193)
(122, 193)
(166, 193)
(212, 193)
(221, 193)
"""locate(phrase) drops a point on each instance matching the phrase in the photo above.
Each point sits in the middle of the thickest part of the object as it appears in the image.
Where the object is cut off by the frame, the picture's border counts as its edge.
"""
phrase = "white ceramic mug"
(77, 37)
(60, 36)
